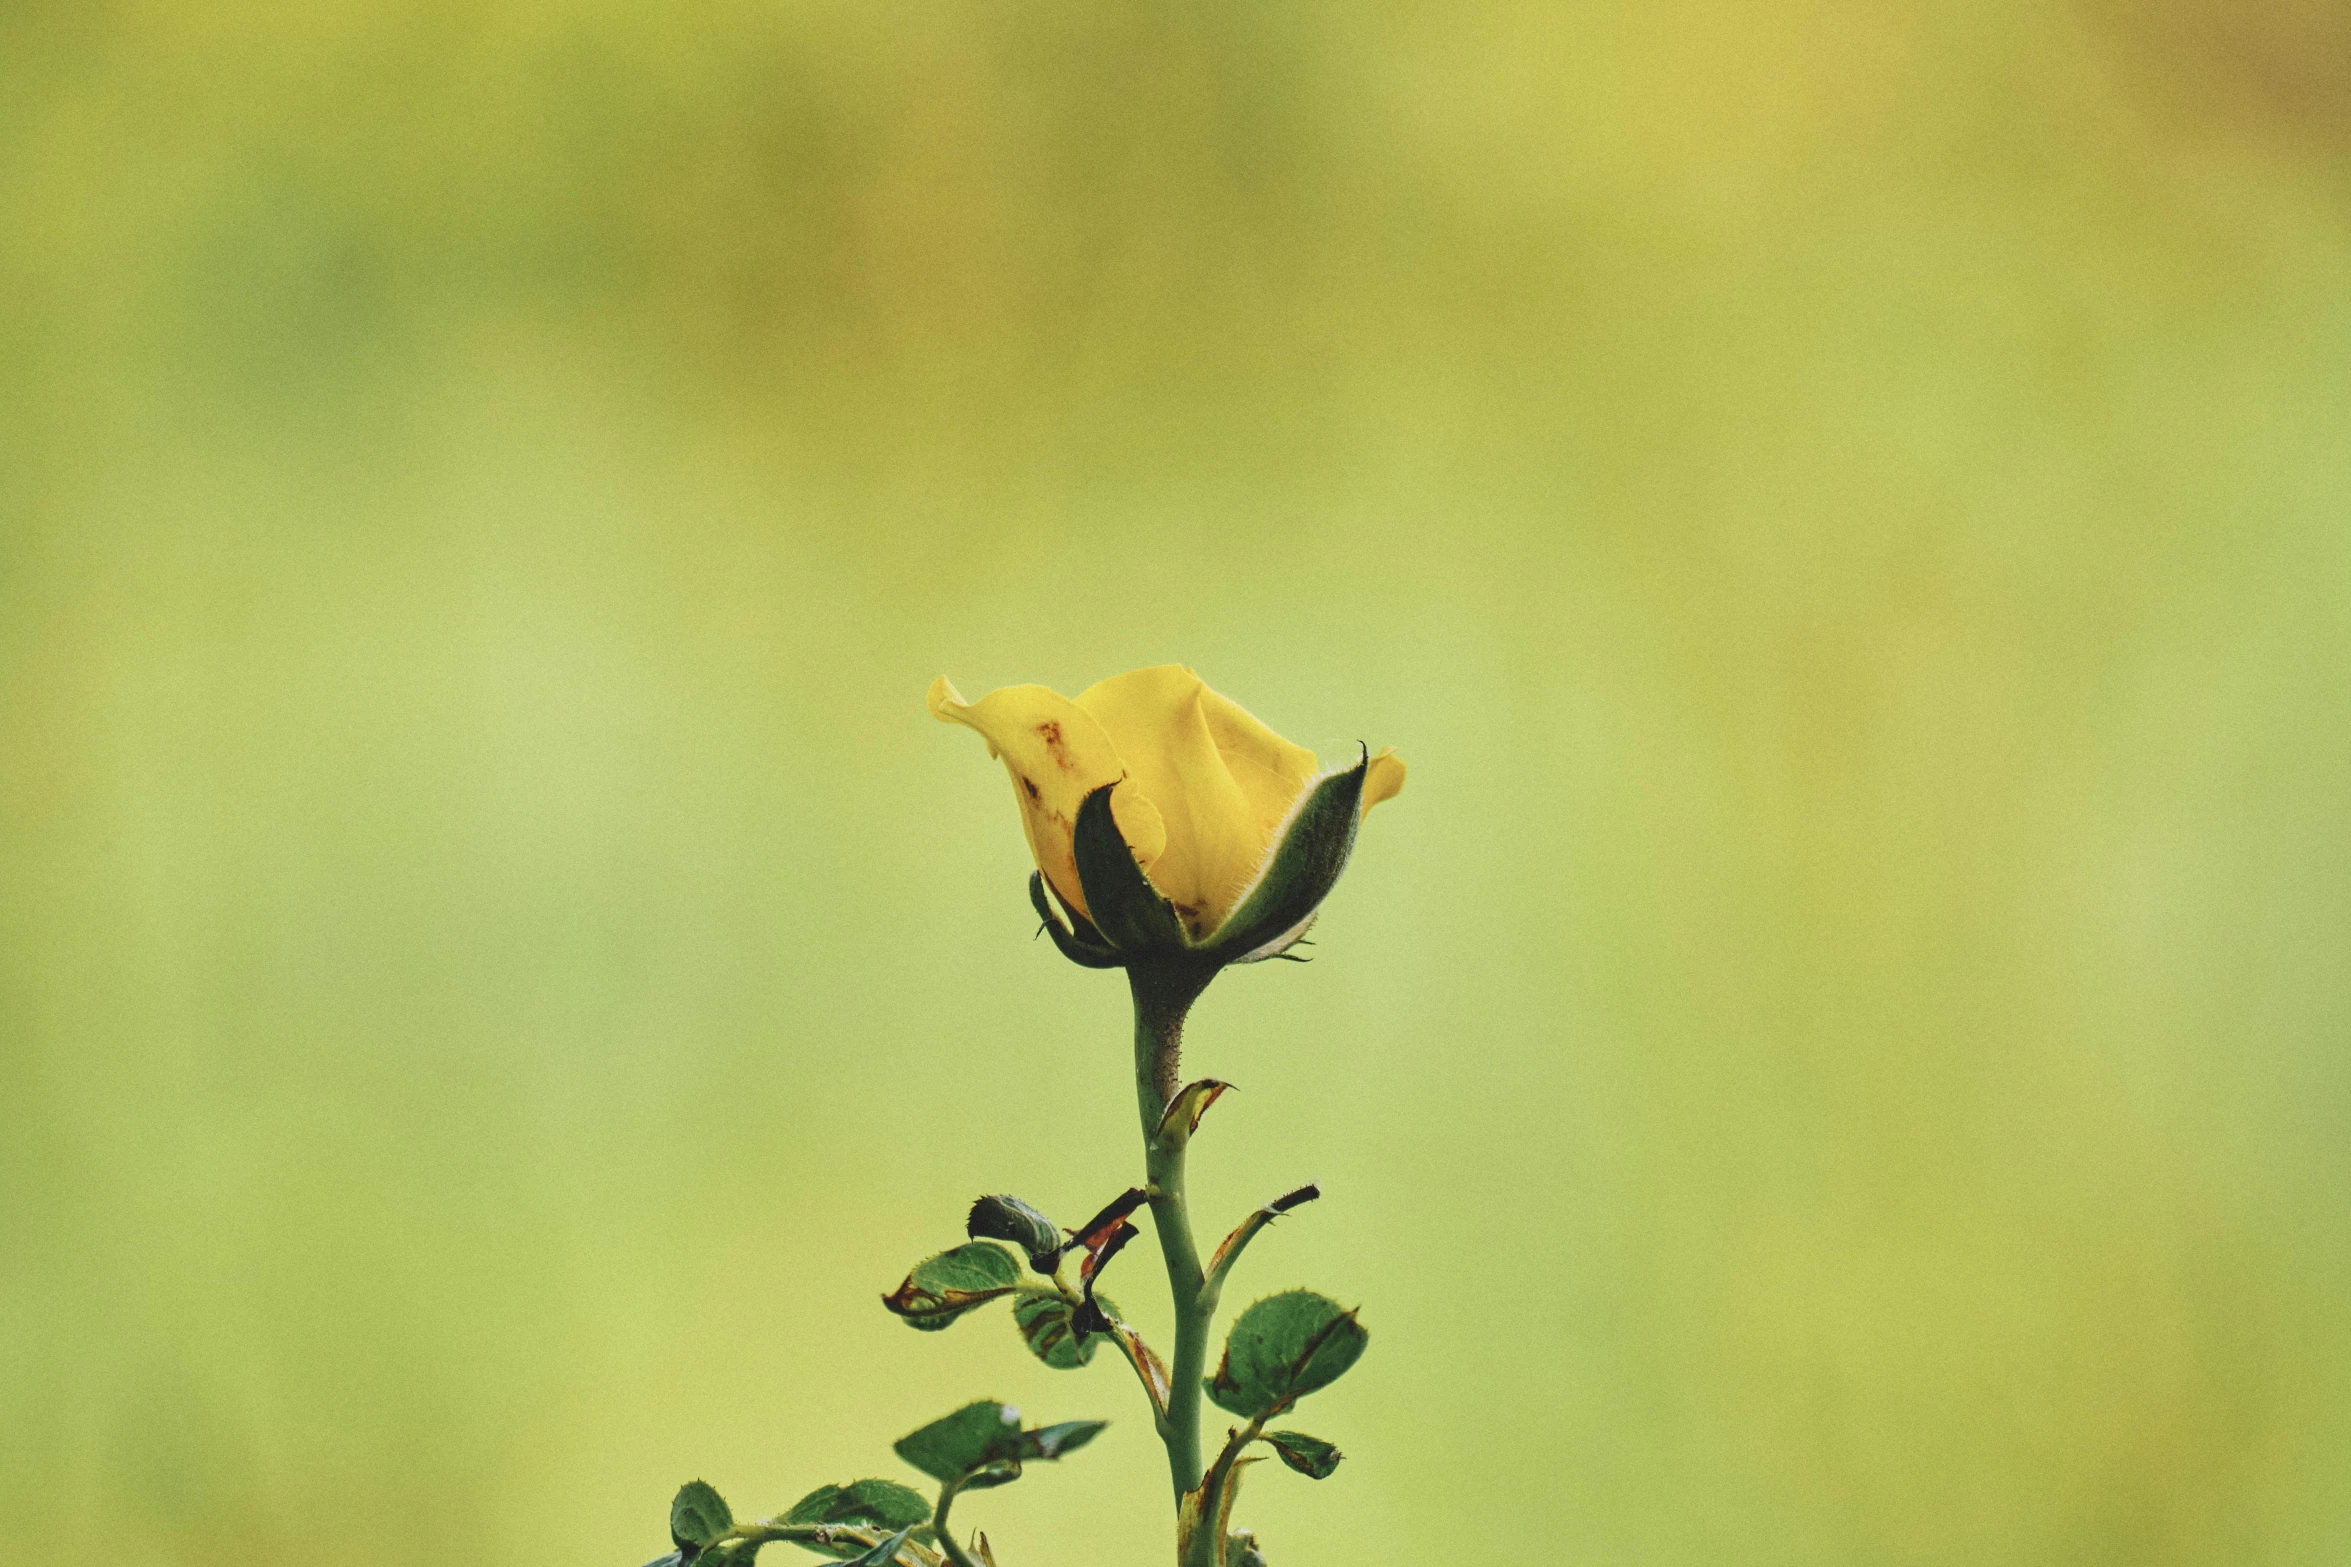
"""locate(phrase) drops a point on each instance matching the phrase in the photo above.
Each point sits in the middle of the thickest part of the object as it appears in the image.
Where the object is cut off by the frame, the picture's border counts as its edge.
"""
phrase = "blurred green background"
(1839, 1055)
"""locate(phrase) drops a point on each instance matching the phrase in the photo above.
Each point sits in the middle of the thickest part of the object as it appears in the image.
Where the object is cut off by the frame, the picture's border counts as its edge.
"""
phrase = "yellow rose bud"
(1203, 795)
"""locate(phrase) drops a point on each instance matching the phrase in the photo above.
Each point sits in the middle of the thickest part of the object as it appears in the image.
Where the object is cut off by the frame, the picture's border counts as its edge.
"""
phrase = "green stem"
(953, 1552)
(1163, 994)
(810, 1534)
(1208, 1545)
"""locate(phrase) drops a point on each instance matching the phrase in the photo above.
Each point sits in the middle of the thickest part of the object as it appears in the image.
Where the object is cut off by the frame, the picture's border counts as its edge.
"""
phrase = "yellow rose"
(1229, 823)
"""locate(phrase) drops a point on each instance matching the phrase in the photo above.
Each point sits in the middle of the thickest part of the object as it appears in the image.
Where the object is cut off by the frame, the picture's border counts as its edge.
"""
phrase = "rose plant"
(1174, 835)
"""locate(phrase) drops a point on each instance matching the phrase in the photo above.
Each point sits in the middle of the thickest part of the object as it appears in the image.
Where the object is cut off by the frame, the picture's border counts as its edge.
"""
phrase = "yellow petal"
(1057, 755)
(1215, 841)
(1384, 780)
(1271, 771)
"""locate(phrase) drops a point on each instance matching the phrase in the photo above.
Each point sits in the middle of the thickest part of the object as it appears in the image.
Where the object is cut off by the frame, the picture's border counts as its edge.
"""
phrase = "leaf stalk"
(947, 1546)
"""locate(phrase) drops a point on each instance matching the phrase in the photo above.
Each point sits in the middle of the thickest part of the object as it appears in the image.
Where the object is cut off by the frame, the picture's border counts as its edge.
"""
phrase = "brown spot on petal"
(1031, 788)
(1050, 729)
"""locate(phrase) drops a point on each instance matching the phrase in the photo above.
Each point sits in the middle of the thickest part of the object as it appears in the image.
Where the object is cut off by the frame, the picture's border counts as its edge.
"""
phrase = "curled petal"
(1156, 720)
(1384, 780)
(1057, 754)
(1271, 771)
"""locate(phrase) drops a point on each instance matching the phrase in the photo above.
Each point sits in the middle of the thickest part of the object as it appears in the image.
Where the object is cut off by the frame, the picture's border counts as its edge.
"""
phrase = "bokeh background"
(1838, 1056)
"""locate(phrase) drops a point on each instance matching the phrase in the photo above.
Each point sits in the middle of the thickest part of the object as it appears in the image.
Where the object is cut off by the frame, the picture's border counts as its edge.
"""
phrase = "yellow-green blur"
(1839, 1058)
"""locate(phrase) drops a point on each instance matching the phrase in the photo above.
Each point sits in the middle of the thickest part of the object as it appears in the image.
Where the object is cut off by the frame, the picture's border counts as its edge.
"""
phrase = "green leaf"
(944, 1287)
(982, 1445)
(1052, 1441)
(1044, 1321)
(816, 1506)
(1126, 908)
(876, 1504)
(988, 1476)
(1098, 1230)
(1283, 1348)
(1006, 1218)
(949, 1448)
(884, 1554)
(697, 1516)
(1299, 874)
(883, 1504)
(1309, 1455)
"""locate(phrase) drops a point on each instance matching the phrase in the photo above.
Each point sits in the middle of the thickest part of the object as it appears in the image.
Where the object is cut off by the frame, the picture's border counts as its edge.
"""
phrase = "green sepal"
(1080, 926)
(1283, 1348)
(1007, 1218)
(1044, 1320)
(1182, 1116)
(1240, 1550)
(697, 1516)
(1311, 1456)
(982, 1445)
(1129, 912)
(1079, 941)
(944, 1287)
(1300, 872)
